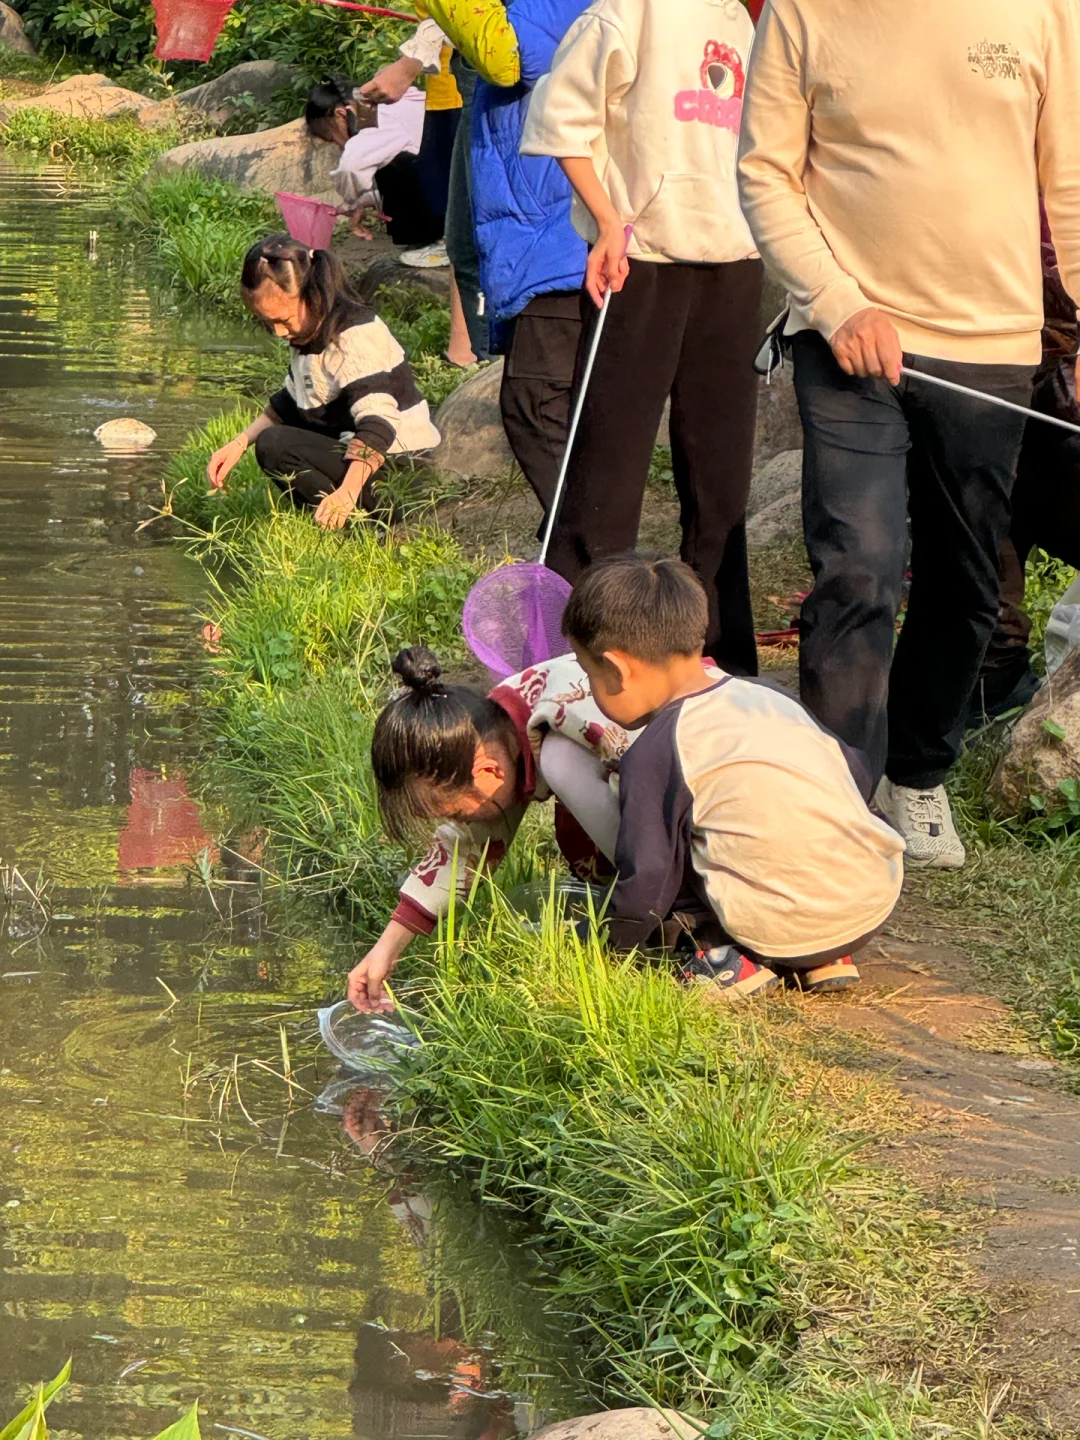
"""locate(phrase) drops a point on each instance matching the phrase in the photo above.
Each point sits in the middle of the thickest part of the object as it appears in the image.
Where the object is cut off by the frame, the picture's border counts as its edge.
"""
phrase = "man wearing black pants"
(874, 454)
(890, 168)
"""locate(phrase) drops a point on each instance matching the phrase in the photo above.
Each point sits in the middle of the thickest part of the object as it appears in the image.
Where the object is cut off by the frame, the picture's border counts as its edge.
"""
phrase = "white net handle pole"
(989, 399)
(575, 421)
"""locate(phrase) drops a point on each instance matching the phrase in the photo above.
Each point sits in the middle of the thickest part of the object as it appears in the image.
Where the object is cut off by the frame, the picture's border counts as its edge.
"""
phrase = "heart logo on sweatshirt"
(722, 71)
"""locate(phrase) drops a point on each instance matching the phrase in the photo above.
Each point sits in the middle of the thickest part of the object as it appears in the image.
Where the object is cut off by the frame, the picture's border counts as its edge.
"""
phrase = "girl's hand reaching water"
(367, 980)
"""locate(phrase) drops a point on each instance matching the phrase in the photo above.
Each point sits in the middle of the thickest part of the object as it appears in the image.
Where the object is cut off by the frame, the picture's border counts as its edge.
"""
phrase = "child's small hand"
(608, 266)
(366, 981)
(224, 460)
(334, 509)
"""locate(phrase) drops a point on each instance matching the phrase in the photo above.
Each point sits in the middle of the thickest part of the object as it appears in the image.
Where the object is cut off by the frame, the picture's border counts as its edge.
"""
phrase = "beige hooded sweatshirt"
(651, 91)
(892, 156)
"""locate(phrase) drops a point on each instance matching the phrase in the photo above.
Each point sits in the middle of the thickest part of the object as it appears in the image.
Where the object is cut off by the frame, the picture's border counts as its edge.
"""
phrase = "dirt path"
(1002, 1125)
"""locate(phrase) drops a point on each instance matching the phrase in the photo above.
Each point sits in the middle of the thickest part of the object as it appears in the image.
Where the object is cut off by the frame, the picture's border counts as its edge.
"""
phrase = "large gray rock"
(1044, 746)
(285, 158)
(474, 444)
(216, 99)
(93, 97)
(470, 422)
(778, 478)
(641, 1423)
(12, 33)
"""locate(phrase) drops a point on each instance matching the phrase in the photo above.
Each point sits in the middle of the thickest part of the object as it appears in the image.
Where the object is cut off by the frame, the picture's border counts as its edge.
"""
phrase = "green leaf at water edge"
(1052, 727)
(20, 1427)
(185, 1429)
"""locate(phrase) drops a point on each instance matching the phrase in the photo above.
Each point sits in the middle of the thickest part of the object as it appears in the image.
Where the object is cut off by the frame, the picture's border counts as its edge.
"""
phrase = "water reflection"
(174, 1213)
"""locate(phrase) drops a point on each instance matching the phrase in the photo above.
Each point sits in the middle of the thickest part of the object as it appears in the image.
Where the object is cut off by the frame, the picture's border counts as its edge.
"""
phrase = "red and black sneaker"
(731, 974)
(839, 974)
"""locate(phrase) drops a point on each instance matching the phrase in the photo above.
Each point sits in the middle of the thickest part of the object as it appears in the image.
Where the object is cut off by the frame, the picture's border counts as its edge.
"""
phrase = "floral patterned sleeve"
(482, 33)
(456, 853)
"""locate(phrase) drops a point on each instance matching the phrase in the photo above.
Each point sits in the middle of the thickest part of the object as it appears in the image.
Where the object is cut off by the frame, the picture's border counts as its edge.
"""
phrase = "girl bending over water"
(350, 398)
(474, 762)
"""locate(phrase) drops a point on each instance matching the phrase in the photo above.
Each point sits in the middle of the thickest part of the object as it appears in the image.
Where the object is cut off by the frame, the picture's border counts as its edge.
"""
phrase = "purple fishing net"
(513, 618)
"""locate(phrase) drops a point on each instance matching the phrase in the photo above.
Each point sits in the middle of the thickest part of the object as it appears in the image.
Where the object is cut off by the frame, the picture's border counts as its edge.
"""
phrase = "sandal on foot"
(730, 974)
(836, 975)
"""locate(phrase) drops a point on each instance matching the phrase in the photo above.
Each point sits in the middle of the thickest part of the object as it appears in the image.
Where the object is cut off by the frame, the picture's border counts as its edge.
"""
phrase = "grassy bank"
(686, 1182)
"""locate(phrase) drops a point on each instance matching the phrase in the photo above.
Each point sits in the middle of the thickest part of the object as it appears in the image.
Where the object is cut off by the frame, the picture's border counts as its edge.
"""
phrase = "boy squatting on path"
(445, 751)
(738, 810)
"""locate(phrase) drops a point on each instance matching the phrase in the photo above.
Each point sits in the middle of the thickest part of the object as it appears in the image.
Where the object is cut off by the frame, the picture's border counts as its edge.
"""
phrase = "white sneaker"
(924, 819)
(428, 257)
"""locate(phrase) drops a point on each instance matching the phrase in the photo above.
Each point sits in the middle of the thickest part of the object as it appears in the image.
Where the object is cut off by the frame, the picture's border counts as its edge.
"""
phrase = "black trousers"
(305, 465)
(538, 377)
(1046, 513)
(691, 332)
(874, 455)
(409, 218)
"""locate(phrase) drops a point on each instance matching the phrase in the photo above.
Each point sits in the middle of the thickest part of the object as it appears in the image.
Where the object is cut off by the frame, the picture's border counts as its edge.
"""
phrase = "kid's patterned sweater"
(553, 698)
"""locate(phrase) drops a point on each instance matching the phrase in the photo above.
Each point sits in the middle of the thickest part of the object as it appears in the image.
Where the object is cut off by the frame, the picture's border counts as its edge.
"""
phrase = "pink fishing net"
(188, 29)
(309, 221)
(513, 617)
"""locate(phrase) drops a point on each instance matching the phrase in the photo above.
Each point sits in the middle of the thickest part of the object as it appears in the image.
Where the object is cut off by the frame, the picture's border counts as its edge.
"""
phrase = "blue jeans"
(460, 232)
(874, 456)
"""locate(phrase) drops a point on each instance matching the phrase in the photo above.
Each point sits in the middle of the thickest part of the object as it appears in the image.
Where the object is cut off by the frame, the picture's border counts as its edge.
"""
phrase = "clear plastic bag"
(1063, 628)
(367, 1044)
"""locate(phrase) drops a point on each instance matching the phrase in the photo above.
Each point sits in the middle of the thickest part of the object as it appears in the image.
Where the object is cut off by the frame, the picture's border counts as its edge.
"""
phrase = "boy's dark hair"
(427, 736)
(649, 607)
(317, 276)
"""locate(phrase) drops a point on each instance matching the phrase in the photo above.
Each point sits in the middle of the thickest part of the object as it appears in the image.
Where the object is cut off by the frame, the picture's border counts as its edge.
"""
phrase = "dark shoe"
(836, 975)
(728, 973)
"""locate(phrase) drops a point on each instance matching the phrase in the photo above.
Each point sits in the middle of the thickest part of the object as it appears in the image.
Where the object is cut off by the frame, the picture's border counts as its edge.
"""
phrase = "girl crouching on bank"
(350, 398)
(446, 753)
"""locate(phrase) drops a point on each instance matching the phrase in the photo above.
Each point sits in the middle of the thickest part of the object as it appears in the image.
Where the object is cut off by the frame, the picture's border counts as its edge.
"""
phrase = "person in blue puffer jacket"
(532, 261)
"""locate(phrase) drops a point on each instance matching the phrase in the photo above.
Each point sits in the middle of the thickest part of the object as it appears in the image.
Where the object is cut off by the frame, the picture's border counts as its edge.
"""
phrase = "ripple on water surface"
(166, 1226)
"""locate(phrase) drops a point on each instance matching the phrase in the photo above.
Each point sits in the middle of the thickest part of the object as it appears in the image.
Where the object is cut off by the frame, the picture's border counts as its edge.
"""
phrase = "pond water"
(172, 1216)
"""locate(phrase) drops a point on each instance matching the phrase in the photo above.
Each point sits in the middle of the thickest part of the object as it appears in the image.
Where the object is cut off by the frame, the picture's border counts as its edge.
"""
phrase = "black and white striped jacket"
(359, 389)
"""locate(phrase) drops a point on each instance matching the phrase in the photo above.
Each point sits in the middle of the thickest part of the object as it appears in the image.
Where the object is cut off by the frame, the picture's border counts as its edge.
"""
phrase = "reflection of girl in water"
(410, 1384)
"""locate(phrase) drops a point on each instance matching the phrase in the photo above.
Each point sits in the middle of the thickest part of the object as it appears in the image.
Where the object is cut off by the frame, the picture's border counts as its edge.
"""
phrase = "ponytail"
(427, 737)
(316, 276)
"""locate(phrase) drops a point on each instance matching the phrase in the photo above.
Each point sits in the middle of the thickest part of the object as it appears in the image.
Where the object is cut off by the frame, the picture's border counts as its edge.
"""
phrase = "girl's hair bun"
(419, 670)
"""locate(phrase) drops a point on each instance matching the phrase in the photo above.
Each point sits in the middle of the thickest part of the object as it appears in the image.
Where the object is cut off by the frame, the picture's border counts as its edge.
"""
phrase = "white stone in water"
(128, 437)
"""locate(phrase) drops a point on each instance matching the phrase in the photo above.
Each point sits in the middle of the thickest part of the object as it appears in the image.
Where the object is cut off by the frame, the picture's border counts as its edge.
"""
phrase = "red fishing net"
(188, 29)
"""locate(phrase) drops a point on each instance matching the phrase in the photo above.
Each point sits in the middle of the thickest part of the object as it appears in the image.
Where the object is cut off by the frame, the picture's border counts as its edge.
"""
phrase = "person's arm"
(607, 266)
(333, 510)
(652, 851)
(367, 980)
(482, 33)
(773, 158)
(449, 867)
(224, 460)
(1058, 147)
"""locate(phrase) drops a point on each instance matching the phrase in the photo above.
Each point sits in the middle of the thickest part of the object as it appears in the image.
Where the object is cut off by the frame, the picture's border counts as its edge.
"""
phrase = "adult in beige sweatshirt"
(891, 160)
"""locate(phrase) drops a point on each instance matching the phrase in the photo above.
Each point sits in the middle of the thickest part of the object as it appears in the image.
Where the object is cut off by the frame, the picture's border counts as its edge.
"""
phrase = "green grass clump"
(122, 141)
(310, 621)
(702, 1229)
(200, 229)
